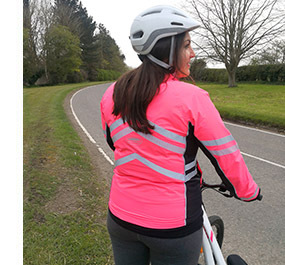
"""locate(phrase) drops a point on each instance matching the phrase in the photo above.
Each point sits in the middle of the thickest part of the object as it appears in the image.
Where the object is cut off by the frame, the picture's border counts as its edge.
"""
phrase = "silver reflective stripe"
(255, 193)
(151, 138)
(190, 165)
(225, 151)
(220, 141)
(163, 144)
(191, 175)
(158, 129)
(122, 133)
(105, 131)
(169, 134)
(151, 165)
(116, 124)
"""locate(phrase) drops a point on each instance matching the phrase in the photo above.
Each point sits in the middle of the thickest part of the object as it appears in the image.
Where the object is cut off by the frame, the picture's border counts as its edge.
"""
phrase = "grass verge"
(64, 201)
(259, 104)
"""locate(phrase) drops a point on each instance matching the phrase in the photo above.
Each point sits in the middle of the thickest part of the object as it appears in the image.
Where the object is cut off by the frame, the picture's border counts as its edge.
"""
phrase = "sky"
(117, 16)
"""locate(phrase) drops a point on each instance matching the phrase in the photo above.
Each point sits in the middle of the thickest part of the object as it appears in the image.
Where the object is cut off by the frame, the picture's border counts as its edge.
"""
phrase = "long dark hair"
(135, 90)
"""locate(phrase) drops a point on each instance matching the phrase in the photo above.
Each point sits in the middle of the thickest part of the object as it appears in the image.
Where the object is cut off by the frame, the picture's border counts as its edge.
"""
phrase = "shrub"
(265, 73)
(197, 68)
(248, 73)
(76, 76)
(214, 75)
(107, 75)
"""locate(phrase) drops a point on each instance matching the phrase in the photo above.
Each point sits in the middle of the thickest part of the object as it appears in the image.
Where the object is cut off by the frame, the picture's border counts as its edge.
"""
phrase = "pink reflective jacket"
(156, 182)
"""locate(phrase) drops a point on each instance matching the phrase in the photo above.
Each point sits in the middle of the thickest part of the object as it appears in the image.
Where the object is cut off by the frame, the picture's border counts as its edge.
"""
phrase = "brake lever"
(223, 188)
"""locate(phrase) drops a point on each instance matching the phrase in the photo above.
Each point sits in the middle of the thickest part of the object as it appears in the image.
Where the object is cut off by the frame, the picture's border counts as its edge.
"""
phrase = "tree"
(73, 15)
(36, 21)
(47, 24)
(62, 53)
(30, 58)
(274, 54)
(65, 13)
(31, 70)
(108, 54)
(235, 29)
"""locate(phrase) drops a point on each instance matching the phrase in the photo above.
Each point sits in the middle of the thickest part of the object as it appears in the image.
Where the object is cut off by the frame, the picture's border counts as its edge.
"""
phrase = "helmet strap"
(171, 51)
(157, 61)
(141, 57)
(161, 63)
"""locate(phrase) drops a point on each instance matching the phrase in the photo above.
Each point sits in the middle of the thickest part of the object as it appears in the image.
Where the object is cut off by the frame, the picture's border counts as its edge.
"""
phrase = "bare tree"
(30, 56)
(235, 29)
(37, 19)
(274, 54)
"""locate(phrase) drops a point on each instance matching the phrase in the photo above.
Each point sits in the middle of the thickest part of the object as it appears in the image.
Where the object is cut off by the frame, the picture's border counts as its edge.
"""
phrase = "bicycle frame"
(211, 249)
(210, 244)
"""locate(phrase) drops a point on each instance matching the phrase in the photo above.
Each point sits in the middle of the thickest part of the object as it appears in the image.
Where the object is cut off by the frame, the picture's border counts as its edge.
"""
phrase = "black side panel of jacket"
(109, 139)
(193, 189)
(217, 167)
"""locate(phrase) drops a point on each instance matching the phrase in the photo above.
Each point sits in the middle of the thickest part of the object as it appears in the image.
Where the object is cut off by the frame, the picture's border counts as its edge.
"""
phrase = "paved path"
(253, 230)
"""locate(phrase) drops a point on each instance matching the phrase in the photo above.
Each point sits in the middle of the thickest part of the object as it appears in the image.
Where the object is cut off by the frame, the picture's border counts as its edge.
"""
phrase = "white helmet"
(156, 23)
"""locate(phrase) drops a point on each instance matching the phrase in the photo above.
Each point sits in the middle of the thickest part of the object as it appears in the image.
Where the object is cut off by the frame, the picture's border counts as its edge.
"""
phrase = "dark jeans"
(130, 248)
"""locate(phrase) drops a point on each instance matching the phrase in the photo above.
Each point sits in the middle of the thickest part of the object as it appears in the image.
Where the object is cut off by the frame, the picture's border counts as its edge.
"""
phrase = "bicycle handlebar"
(222, 189)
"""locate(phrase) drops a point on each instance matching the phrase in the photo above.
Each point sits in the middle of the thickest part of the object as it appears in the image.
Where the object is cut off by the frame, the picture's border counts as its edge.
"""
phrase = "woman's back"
(149, 183)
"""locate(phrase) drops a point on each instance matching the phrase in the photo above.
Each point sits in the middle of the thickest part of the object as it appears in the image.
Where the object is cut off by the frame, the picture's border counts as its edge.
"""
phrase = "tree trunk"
(232, 78)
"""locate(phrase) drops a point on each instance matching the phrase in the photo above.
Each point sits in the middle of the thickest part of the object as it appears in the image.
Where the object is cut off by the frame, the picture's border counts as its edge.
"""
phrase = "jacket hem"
(161, 233)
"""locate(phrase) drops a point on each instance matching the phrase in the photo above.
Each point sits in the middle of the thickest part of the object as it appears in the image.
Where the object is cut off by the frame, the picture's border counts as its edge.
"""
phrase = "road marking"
(263, 160)
(254, 129)
(112, 163)
(86, 132)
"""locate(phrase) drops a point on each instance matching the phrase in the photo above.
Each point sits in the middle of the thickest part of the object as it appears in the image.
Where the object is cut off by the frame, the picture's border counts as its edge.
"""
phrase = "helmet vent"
(179, 14)
(151, 13)
(138, 35)
(176, 24)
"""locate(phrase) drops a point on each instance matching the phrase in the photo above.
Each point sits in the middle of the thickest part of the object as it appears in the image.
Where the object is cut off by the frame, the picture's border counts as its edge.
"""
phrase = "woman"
(155, 124)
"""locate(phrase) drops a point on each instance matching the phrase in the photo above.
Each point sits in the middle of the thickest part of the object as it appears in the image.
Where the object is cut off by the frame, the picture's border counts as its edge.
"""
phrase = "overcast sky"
(117, 16)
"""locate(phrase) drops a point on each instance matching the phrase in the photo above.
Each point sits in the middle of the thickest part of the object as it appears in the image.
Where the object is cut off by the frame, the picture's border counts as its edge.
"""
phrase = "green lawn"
(261, 104)
(65, 203)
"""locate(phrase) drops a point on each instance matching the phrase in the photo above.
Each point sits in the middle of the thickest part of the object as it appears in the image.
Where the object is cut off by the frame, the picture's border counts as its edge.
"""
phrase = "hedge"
(267, 73)
(264, 73)
(214, 75)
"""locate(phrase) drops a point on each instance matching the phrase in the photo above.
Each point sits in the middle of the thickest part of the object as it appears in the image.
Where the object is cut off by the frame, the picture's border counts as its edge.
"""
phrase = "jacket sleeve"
(221, 148)
(105, 127)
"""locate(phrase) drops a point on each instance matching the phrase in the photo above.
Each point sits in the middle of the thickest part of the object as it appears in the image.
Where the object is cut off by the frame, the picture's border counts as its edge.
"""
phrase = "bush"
(197, 68)
(107, 75)
(76, 77)
(265, 73)
(214, 75)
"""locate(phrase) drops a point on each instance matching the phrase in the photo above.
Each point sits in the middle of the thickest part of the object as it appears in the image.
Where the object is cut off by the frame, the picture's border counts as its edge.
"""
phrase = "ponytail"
(134, 90)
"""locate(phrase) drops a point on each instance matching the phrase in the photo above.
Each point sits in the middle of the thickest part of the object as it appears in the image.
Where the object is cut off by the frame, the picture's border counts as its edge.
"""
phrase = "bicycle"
(212, 241)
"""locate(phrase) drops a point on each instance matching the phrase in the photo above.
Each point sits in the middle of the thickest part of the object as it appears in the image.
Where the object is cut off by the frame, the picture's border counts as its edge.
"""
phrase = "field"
(258, 104)
(65, 201)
